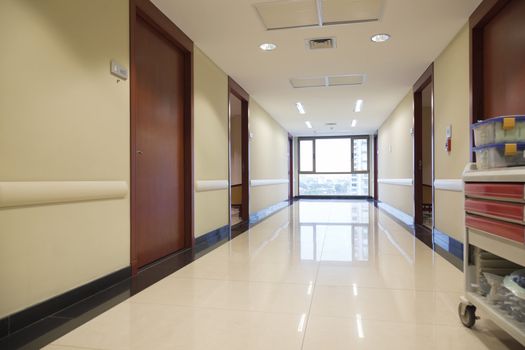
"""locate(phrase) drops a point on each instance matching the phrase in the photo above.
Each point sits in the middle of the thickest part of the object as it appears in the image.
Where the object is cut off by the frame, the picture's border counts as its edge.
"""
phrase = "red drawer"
(503, 229)
(508, 211)
(512, 192)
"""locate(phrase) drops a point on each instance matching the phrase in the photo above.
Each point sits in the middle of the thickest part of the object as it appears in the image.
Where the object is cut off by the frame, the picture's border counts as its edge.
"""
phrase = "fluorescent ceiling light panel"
(308, 124)
(300, 108)
(358, 105)
(354, 123)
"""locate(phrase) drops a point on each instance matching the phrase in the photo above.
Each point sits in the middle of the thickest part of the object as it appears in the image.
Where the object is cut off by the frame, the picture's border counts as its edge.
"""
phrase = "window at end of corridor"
(337, 166)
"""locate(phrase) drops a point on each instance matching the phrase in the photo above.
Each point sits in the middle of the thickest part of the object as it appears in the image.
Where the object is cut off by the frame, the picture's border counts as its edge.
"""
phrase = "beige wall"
(63, 117)
(395, 160)
(211, 142)
(451, 107)
(268, 158)
(451, 101)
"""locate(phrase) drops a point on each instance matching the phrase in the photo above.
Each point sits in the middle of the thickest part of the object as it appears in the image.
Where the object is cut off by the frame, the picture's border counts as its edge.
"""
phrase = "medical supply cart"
(494, 248)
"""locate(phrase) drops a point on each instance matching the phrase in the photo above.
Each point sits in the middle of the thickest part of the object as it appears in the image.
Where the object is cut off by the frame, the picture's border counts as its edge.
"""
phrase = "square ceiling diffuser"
(327, 81)
(351, 11)
(284, 14)
(308, 82)
(288, 14)
(352, 79)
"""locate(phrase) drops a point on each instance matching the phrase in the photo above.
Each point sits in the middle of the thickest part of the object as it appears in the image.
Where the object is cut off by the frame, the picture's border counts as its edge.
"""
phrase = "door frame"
(426, 79)
(482, 15)
(154, 17)
(236, 90)
(376, 171)
(290, 167)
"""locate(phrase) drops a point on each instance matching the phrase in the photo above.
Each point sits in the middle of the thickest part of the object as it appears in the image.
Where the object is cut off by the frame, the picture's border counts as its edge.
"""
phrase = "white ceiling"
(230, 32)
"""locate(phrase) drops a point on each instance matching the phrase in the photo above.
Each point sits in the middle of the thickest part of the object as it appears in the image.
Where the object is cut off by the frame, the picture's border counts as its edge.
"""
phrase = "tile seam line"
(313, 295)
(221, 308)
(237, 280)
(243, 281)
(414, 323)
(397, 289)
(74, 347)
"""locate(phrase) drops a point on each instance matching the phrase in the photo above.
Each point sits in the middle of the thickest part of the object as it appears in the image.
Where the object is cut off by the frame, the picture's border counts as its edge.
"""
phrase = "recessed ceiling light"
(268, 47)
(300, 108)
(354, 123)
(358, 105)
(379, 38)
(308, 124)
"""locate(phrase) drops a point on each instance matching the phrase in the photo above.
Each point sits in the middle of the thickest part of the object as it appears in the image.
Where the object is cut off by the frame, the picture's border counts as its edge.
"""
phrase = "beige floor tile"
(418, 307)
(232, 295)
(322, 274)
(285, 273)
(357, 334)
(152, 326)
(394, 272)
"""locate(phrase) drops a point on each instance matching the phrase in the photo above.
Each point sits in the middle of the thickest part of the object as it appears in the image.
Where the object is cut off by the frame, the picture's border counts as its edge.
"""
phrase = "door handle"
(139, 152)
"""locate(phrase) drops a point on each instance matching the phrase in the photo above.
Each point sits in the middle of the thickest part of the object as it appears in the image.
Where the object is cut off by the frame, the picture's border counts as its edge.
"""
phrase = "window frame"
(352, 138)
(352, 171)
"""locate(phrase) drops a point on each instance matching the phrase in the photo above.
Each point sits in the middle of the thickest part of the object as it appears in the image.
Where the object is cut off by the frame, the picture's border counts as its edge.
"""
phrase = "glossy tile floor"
(317, 275)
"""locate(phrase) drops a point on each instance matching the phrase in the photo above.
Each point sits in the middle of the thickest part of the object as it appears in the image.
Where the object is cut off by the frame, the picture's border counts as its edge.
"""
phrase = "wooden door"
(290, 167)
(426, 80)
(238, 92)
(158, 196)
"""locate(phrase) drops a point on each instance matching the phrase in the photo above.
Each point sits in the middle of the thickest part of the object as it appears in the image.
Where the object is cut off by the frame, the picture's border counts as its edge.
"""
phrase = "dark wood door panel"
(504, 62)
(159, 145)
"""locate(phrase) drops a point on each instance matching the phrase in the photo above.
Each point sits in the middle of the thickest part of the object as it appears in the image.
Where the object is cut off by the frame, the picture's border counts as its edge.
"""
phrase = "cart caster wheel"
(467, 315)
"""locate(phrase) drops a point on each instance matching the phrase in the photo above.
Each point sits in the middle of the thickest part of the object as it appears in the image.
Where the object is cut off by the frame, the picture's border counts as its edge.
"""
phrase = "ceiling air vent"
(320, 43)
(330, 124)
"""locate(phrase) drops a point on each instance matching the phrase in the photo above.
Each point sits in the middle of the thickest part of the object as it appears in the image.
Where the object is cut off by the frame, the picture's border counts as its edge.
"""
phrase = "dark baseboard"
(449, 248)
(424, 234)
(262, 214)
(211, 238)
(259, 216)
(4, 327)
(446, 246)
(400, 217)
(32, 314)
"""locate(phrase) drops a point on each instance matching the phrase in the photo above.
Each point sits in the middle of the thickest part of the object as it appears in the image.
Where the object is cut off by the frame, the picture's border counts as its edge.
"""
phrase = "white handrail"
(24, 193)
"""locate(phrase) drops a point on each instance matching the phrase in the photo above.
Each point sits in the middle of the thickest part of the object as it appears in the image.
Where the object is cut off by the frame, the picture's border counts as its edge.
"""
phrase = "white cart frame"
(507, 249)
